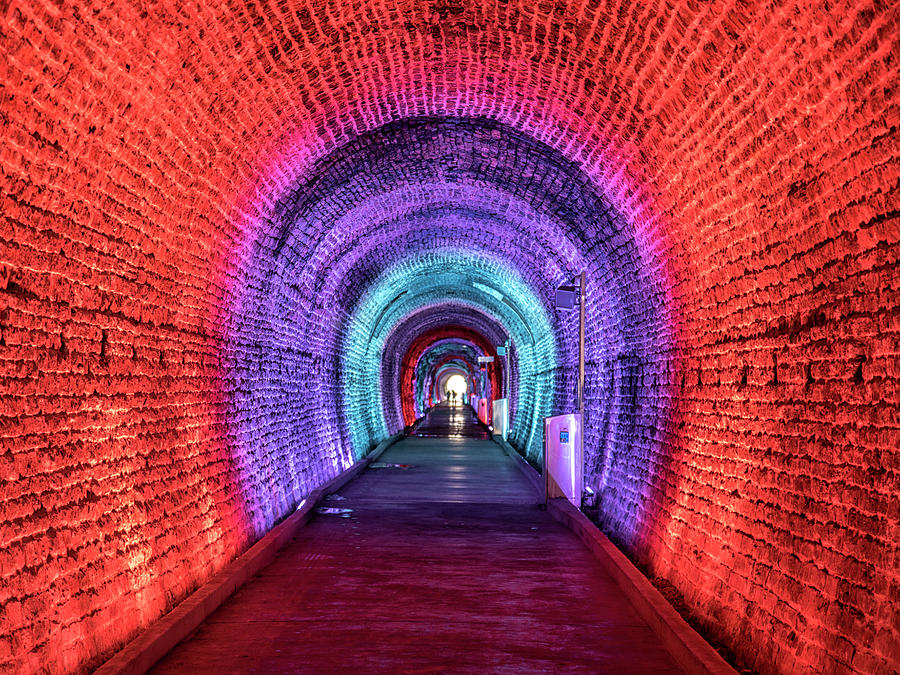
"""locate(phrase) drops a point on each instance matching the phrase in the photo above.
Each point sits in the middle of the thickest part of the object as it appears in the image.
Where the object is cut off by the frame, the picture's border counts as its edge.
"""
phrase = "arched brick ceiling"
(485, 283)
(439, 356)
(415, 332)
(414, 367)
(199, 198)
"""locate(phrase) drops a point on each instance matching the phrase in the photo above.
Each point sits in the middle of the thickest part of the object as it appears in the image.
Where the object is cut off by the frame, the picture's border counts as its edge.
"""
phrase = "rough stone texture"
(422, 359)
(195, 195)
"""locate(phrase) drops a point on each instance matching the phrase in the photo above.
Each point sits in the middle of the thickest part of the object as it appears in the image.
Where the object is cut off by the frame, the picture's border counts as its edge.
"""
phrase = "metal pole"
(581, 350)
(581, 391)
(507, 375)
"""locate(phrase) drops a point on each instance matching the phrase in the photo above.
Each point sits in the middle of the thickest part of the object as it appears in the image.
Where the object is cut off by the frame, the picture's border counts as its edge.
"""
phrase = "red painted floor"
(443, 566)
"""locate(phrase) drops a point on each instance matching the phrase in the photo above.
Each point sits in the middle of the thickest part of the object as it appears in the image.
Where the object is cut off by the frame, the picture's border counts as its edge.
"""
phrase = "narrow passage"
(443, 563)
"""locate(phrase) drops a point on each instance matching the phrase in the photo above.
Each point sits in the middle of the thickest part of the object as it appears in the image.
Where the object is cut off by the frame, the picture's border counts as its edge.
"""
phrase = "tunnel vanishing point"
(244, 242)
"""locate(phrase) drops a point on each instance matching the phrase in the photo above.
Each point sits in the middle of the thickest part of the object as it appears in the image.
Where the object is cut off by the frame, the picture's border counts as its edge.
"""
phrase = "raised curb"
(142, 653)
(686, 645)
(536, 480)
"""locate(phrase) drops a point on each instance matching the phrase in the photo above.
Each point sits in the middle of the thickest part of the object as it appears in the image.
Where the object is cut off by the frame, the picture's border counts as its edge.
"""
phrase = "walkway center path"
(444, 564)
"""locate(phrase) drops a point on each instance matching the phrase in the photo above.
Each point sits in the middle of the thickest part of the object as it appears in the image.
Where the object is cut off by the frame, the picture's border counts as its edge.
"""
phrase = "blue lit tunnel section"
(441, 357)
(449, 278)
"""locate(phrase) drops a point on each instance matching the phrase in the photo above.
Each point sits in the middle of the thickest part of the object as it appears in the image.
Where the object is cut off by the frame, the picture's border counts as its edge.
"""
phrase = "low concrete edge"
(536, 480)
(151, 645)
(411, 429)
(688, 647)
(384, 445)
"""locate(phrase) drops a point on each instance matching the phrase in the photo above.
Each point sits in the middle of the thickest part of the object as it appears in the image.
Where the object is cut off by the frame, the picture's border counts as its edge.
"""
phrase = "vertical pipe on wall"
(581, 349)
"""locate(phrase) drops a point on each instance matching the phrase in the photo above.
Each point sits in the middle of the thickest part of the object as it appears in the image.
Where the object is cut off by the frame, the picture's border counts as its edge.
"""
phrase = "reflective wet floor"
(451, 421)
(435, 560)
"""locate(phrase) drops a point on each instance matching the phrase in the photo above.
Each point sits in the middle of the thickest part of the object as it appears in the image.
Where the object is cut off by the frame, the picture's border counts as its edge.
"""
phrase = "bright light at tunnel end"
(446, 277)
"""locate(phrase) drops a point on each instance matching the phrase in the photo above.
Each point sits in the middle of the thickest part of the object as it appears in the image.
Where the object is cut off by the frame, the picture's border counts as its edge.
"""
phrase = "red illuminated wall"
(415, 328)
(421, 344)
(750, 149)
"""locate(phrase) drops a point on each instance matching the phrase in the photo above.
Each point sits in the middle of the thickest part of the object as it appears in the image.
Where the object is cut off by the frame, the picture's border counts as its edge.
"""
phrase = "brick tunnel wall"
(403, 369)
(749, 459)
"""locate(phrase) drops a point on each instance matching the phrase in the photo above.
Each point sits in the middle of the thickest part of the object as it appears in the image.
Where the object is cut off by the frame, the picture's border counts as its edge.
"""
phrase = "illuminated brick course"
(198, 198)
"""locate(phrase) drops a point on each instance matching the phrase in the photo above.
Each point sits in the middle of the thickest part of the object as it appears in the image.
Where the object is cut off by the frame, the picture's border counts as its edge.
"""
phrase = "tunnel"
(243, 243)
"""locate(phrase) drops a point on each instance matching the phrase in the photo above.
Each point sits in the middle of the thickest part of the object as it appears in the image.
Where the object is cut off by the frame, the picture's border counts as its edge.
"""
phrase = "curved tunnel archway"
(446, 375)
(436, 278)
(224, 225)
(453, 181)
(412, 337)
(424, 360)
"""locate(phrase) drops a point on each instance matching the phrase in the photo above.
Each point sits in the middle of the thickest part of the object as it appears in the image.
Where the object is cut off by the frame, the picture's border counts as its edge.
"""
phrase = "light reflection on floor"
(451, 420)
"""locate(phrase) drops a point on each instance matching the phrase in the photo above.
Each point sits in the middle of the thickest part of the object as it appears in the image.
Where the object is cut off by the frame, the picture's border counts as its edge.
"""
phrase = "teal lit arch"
(460, 277)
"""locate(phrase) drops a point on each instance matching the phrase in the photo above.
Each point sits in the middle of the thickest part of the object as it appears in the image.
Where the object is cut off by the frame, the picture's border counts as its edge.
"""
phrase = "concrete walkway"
(444, 564)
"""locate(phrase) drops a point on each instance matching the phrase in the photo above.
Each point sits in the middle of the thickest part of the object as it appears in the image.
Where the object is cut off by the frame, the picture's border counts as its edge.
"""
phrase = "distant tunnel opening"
(235, 240)
(454, 385)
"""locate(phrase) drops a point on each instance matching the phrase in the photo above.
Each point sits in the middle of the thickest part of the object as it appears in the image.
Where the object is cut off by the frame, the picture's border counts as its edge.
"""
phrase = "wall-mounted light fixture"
(567, 297)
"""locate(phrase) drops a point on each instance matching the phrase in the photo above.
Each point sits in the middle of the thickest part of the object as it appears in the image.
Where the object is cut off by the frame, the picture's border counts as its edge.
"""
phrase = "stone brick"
(196, 200)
